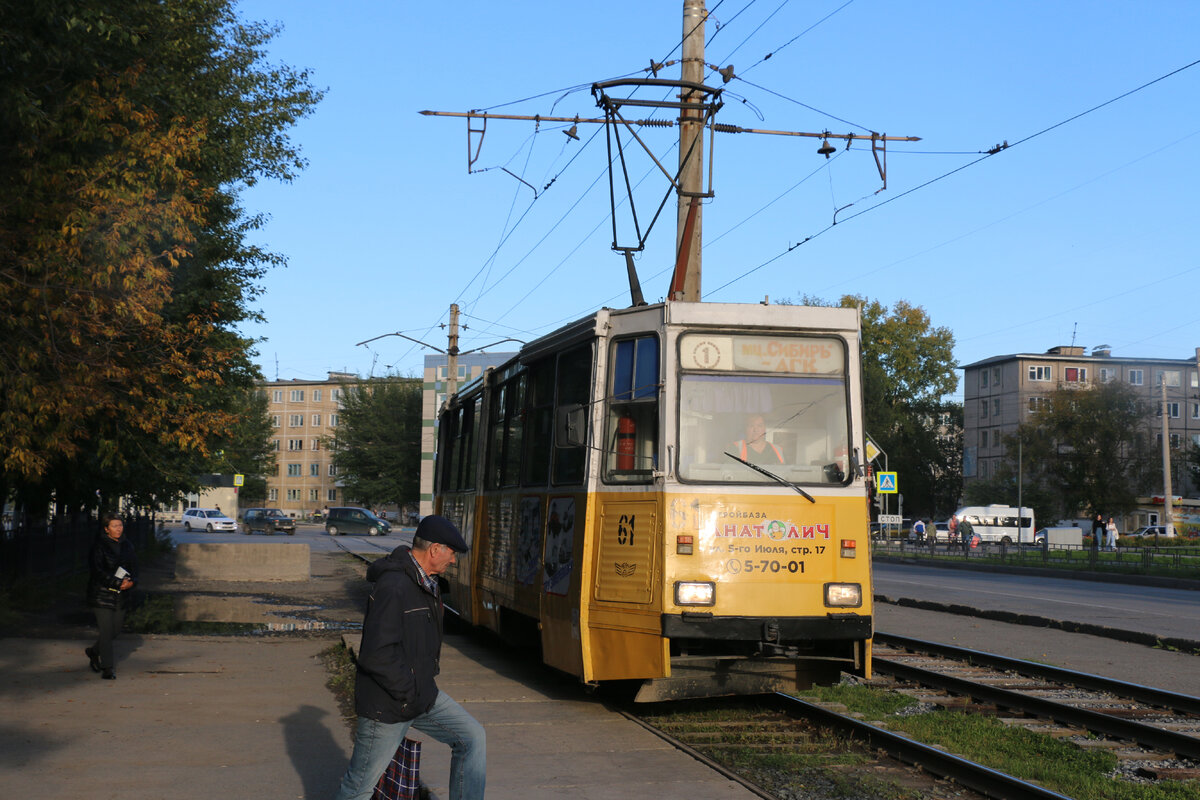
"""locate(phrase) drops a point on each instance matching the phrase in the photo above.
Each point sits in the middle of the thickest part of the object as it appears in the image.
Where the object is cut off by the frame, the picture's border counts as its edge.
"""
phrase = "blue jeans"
(376, 743)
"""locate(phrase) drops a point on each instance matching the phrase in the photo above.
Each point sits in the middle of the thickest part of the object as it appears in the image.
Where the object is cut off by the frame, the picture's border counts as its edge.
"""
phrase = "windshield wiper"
(773, 476)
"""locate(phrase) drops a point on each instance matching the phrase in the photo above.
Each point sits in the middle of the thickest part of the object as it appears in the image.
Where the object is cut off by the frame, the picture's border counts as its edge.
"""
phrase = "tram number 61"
(625, 529)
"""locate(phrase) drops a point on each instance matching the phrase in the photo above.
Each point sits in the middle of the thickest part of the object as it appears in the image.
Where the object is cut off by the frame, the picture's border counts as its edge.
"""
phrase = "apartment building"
(304, 414)
(1001, 392)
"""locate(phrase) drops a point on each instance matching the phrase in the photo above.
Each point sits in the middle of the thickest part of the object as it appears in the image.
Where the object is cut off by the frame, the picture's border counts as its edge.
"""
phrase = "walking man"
(395, 687)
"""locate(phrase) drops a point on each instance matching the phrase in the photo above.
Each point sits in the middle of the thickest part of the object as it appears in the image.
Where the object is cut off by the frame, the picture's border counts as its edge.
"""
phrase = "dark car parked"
(349, 519)
(267, 520)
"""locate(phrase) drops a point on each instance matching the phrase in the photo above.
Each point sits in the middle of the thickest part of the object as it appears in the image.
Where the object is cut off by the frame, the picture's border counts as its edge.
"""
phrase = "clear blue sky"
(1085, 231)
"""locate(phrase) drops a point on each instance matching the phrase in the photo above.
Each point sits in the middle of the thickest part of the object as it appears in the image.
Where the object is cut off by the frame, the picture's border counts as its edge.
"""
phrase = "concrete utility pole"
(1168, 506)
(691, 152)
(452, 353)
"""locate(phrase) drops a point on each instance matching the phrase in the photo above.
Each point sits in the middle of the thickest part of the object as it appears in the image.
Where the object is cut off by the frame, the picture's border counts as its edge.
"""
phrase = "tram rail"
(977, 777)
(963, 773)
(1113, 720)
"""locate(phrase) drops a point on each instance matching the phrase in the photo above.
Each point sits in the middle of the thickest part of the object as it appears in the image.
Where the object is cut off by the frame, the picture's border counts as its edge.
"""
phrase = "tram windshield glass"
(776, 401)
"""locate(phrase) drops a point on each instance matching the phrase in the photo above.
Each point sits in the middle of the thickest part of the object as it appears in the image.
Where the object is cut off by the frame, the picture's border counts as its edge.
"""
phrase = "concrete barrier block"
(242, 562)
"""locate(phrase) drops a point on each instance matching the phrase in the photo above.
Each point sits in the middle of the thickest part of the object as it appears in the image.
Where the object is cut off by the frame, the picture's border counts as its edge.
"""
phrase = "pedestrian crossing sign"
(885, 482)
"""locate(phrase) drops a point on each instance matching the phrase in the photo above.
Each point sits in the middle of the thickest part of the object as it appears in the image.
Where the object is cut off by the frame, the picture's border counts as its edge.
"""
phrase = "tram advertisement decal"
(529, 536)
(560, 543)
(754, 537)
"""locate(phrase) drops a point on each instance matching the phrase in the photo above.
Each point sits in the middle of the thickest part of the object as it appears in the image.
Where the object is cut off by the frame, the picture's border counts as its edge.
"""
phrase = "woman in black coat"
(114, 571)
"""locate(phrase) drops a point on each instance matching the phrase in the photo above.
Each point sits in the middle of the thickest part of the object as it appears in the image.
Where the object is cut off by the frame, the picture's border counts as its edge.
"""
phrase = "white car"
(1151, 530)
(210, 519)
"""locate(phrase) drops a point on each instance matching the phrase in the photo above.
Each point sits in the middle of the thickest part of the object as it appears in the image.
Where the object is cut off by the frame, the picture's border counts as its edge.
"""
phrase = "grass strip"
(1060, 765)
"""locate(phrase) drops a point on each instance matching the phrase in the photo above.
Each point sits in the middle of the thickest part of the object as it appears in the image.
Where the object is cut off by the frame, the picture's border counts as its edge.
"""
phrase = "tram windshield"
(776, 401)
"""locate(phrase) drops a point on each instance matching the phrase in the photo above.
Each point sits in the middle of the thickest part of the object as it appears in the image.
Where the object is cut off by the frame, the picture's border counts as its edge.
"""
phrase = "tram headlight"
(695, 593)
(843, 595)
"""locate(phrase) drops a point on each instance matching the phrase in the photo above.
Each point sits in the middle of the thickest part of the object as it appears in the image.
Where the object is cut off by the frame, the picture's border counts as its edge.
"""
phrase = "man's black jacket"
(401, 642)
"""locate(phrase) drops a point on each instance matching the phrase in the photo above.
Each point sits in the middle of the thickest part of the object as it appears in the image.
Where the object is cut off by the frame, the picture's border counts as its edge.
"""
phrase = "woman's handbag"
(402, 779)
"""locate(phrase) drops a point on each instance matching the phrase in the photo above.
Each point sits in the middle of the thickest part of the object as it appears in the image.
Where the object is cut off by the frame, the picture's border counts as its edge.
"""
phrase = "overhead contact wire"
(932, 181)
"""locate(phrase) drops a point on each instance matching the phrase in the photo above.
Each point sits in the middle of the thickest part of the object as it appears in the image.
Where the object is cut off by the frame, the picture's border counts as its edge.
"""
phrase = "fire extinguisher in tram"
(626, 439)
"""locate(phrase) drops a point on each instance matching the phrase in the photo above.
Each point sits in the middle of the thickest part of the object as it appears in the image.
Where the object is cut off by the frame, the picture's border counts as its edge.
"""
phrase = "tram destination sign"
(763, 353)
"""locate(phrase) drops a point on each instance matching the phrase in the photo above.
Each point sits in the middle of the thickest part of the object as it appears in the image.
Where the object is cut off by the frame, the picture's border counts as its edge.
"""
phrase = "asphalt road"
(1166, 612)
(310, 533)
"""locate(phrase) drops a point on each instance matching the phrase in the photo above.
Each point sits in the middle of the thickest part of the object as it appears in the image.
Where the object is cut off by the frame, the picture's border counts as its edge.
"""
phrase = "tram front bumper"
(835, 626)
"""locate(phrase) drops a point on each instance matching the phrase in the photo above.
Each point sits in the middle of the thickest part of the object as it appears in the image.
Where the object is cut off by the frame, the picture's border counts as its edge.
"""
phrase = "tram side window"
(448, 453)
(514, 430)
(630, 453)
(539, 424)
(474, 440)
(457, 449)
(573, 389)
(504, 449)
(495, 436)
(445, 450)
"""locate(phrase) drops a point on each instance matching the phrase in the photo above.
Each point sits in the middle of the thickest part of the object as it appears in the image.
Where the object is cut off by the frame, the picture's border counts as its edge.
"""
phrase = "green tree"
(246, 448)
(1084, 452)
(908, 368)
(377, 446)
(1192, 463)
(129, 128)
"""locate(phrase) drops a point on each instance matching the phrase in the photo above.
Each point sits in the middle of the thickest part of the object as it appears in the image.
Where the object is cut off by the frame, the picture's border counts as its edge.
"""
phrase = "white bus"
(997, 523)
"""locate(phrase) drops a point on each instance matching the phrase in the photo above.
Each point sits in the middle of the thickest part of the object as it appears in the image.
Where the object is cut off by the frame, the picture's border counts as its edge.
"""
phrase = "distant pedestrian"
(113, 572)
(1110, 535)
(397, 663)
(965, 534)
(918, 531)
(1097, 531)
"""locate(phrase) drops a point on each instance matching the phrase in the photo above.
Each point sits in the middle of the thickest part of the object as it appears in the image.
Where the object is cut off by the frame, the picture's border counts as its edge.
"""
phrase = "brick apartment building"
(303, 415)
(1001, 392)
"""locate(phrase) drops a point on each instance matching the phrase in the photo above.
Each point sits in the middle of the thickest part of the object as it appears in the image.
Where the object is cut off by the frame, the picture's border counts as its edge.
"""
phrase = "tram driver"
(754, 447)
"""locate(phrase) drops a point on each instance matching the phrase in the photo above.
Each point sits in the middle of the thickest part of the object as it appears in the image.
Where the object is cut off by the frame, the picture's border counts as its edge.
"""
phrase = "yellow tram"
(670, 493)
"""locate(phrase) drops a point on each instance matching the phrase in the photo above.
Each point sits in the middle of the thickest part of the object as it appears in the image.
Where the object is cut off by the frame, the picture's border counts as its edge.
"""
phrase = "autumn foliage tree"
(129, 127)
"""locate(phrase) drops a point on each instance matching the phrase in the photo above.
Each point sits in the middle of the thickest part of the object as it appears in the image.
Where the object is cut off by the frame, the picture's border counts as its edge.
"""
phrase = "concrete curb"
(1189, 646)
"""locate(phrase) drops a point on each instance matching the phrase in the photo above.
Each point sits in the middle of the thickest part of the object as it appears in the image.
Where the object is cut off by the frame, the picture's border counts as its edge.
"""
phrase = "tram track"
(1150, 718)
(383, 548)
(788, 724)
(1154, 734)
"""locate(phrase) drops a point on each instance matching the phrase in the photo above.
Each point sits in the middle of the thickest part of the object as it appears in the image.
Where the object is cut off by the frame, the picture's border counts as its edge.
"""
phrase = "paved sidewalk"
(187, 717)
(204, 718)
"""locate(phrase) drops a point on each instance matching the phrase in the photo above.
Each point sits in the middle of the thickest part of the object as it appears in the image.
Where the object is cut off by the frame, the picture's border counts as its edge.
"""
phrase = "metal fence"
(60, 547)
(1175, 561)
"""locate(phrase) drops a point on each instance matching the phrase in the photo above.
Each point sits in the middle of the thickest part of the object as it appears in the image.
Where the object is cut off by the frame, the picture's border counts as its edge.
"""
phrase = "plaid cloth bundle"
(402, 779)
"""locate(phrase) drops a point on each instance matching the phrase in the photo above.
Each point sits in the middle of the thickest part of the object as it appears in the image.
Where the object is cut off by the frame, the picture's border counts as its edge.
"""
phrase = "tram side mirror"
(571, 426)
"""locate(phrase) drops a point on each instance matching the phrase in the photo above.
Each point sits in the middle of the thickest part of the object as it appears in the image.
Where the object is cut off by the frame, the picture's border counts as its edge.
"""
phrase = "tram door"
(624, 631)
